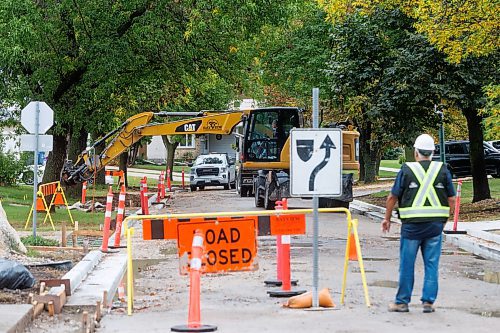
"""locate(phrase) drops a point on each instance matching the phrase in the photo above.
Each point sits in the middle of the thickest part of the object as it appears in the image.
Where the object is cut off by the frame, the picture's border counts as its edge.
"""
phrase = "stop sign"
(28, 117)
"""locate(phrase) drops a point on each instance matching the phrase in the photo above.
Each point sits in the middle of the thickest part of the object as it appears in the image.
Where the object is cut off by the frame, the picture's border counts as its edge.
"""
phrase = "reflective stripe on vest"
(426, 191)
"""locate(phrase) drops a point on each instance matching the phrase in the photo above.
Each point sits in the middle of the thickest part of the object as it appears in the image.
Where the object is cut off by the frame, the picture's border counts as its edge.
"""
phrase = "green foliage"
(459, 28)
(382, 72)
(392, 153)
(293, 56)
(98, 62)
(492, 112)
(38, 241)
(10, 168)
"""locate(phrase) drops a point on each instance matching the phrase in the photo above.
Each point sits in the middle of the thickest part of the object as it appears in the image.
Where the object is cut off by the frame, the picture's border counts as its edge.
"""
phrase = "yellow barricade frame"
(352, 225)
(59, 190)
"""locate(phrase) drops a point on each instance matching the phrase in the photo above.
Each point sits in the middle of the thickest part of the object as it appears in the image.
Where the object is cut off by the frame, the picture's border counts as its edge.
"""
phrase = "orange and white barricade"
(55, 190)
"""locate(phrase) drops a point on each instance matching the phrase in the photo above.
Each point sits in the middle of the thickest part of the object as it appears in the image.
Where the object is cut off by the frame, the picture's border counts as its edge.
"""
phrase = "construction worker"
(425, 193)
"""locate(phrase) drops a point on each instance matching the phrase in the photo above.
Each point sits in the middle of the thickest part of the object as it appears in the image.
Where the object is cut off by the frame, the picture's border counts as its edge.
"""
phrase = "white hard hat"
(424, 142)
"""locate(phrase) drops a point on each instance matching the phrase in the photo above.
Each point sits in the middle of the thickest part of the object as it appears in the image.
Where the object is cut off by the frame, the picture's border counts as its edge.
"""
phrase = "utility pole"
(442, 154)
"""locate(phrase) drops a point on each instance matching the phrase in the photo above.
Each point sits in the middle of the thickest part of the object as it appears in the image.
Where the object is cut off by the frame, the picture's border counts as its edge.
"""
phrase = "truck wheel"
(244, 191)
(259, 202)
(193, 188)
(202, 187)
(497, 175)
(28, 177)
(226, 186)
(268, 204)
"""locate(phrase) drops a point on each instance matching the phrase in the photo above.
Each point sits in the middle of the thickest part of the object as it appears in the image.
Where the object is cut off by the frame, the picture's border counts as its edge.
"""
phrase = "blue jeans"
(431, 251)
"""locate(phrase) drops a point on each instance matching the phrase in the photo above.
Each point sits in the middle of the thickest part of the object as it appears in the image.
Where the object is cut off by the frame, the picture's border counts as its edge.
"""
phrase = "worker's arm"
(451, 203)
(389, 206)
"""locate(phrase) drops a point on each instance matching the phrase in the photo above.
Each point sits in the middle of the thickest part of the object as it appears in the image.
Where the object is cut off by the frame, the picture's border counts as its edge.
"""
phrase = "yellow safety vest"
(426, 191)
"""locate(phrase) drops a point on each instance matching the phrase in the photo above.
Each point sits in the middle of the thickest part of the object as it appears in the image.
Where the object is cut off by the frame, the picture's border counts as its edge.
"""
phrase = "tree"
(461, 86)
(381, 72)
(459, 28)
(97, 62)
(491, 112)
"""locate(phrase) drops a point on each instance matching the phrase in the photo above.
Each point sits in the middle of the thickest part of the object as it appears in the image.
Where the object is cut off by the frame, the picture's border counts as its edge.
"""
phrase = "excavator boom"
(137, 127)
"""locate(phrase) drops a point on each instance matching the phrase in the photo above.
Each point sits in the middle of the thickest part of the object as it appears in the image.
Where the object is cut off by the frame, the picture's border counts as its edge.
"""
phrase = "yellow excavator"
(262, 140)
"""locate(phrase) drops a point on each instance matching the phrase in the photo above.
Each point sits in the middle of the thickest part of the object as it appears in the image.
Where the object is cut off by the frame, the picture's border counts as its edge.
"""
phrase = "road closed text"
(229, 245)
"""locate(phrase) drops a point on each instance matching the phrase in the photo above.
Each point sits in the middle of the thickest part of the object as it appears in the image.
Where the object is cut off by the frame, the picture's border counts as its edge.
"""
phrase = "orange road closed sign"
(229, 245)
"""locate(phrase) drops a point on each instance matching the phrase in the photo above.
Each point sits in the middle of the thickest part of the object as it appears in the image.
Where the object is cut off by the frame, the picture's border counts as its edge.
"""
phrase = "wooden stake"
(42, 287)
(63, 234)
(37, 308)
(98, 311)
(51, 308)
(30, 298)
(85, 321)
(105, 299)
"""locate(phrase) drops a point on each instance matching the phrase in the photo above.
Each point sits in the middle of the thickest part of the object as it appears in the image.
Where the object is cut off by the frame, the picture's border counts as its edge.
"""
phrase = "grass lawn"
(467, 189)
(17, 200)
(466, 195)
(390, 164)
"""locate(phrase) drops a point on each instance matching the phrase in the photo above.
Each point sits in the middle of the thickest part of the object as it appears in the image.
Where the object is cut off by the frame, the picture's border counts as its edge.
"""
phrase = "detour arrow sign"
(229, 245)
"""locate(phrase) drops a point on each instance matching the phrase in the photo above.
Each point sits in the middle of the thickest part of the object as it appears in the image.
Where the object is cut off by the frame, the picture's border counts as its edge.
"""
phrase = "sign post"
(316, 170)
(37, 118)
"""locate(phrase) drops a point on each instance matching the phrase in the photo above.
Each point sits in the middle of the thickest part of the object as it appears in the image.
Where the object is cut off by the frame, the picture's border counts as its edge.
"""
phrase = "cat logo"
(188, 127)
(212, 125)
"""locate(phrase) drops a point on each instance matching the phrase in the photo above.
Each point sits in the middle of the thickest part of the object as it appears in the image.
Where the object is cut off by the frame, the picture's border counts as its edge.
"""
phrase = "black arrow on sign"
(327, 145)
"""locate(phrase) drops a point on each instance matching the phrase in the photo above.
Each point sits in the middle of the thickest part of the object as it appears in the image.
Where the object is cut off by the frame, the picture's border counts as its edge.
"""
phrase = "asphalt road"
(238, 302)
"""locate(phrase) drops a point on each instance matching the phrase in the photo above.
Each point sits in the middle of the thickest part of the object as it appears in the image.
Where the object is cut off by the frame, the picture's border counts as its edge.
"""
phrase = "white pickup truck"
(214, 169)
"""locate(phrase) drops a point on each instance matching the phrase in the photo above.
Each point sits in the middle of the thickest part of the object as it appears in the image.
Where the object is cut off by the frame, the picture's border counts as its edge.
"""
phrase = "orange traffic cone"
(194, 321)
(353, 255)
(107, 220)
(59, 200)
(305, 300)
(119, 216)
(40, 205)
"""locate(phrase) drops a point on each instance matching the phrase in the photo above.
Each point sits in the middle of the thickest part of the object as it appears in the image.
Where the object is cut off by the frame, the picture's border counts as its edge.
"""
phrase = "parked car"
(214, 169)
(27, 176)
(495, 144)
(458, 159)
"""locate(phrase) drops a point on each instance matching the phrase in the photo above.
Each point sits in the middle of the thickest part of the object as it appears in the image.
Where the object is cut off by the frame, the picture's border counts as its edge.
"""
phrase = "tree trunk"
(100, 176)
(409, 154)
(370, 150)
(56, 158)
(77, 144)
(364, 147)
(476, 151)
(123, 165)
(171, 146)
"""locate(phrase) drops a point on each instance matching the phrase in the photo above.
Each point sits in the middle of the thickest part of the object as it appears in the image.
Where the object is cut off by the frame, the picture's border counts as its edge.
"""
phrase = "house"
(193, 145)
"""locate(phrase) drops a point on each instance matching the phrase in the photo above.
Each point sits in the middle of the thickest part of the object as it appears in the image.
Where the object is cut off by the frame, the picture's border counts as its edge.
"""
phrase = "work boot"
(402, 307)
(428, 308)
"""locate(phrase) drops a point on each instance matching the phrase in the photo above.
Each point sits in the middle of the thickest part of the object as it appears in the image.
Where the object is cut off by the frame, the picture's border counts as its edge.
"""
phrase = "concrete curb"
(15, 317)
(477, 246)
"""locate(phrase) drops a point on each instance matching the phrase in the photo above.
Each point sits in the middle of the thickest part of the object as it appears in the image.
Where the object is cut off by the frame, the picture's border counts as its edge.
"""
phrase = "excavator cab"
(266, 131)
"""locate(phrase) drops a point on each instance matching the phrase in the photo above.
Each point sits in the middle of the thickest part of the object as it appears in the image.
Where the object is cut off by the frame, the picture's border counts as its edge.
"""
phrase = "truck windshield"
(208, 160)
